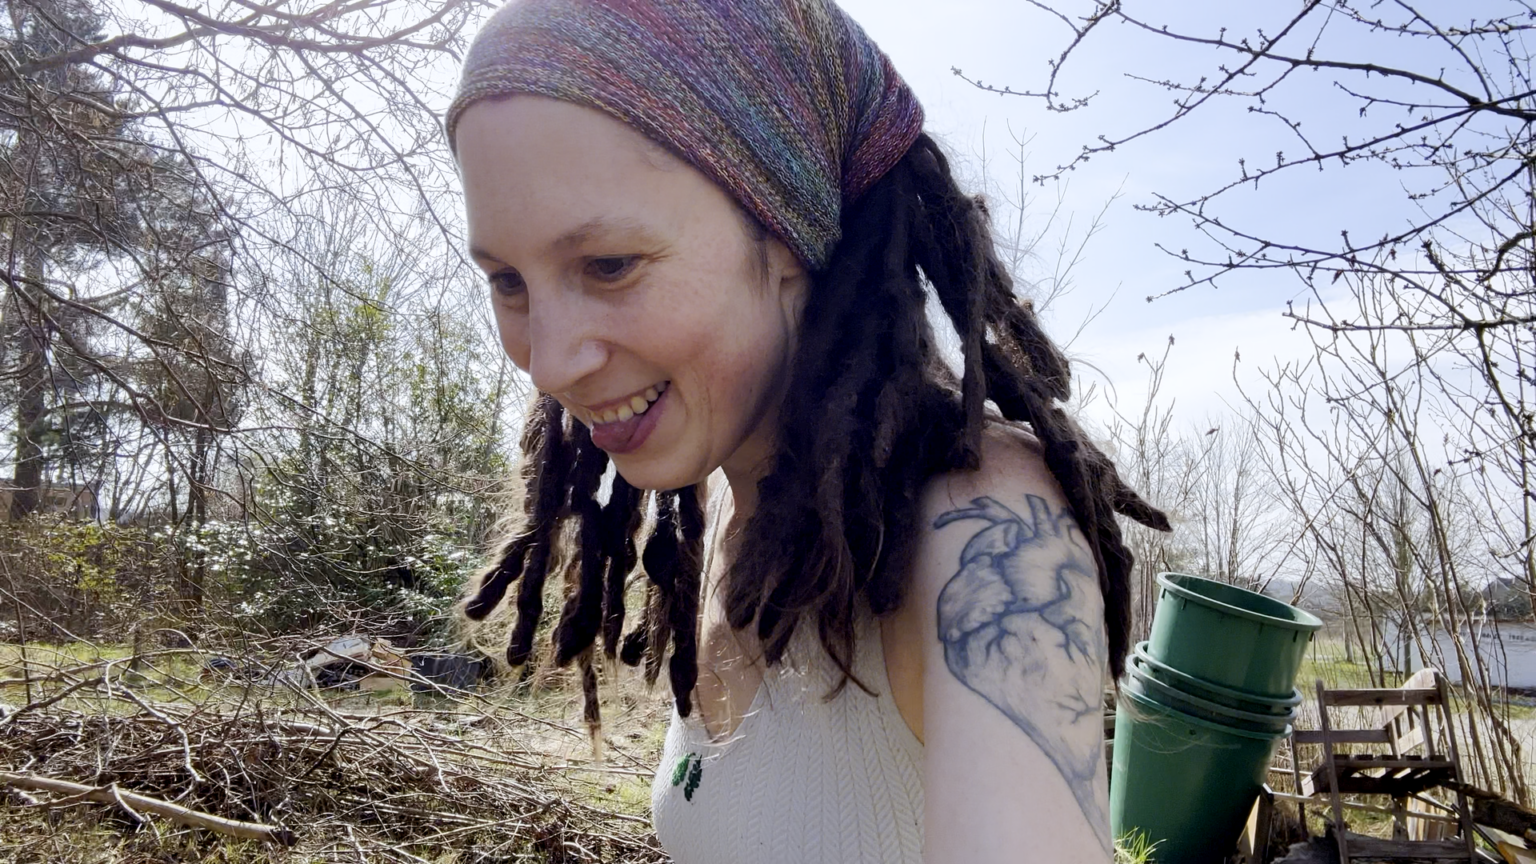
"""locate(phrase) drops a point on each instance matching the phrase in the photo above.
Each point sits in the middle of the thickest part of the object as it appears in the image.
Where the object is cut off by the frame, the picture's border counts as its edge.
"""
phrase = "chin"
(651, 475)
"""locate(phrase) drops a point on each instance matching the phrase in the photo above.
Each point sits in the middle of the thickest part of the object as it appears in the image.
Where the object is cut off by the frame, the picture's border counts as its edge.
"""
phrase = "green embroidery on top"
(695, 774)
(687, 773)
(681, 771)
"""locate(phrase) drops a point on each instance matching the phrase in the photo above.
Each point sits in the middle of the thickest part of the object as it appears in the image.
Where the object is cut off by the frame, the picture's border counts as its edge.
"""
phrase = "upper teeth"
(635, 405)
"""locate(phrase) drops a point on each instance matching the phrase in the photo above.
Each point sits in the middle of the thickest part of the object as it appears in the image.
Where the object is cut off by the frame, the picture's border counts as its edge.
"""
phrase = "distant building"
(1507, 647)
(1507, 599)
(76, 502)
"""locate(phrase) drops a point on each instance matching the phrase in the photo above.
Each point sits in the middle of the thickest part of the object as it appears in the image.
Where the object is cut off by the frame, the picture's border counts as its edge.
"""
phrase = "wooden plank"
(1357, 762)
(1358, 784)
(1344, 736)
(1374, 848)
(1441, 775)
(1410, 739)
(1253, 844)
(1513, 854)
(1424, 679)
(1427, 819)
(1330, 770)
(1369, 808)
(1381, 696)
(1379, 786)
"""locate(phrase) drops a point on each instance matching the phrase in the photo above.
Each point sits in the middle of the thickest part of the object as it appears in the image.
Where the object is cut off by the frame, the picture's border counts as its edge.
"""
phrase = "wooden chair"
(1414, 728)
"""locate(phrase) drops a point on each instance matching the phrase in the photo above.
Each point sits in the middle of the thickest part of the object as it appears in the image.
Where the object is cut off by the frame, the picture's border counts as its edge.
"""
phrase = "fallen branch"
(12, 716)
(133, 802)
(492, 784)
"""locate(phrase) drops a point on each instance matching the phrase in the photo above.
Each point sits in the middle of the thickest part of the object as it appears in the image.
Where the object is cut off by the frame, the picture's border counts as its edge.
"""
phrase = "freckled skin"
(554, 194)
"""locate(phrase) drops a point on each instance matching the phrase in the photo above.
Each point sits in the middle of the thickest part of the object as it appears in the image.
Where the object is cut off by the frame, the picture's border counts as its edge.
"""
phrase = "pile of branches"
(264, 771)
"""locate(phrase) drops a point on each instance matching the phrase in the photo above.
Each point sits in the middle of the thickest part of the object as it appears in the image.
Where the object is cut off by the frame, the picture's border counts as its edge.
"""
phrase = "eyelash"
(509, 283)
(502, 283)
(628, 263)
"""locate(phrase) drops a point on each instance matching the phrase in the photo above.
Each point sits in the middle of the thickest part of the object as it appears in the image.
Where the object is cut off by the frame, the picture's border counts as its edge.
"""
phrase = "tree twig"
(133, 802)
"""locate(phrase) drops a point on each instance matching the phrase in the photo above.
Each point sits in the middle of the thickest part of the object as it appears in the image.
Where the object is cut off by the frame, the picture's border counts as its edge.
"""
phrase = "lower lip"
(648, 422)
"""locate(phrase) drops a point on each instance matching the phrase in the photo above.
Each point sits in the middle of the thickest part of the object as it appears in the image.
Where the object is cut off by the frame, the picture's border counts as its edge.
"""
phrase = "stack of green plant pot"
(1202, 705)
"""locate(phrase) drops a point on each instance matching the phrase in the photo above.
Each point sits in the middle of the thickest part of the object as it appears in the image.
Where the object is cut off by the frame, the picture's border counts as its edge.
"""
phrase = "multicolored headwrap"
(787, 104)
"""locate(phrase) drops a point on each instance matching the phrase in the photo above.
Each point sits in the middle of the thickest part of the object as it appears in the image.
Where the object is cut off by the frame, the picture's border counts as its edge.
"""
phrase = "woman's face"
(627, 285)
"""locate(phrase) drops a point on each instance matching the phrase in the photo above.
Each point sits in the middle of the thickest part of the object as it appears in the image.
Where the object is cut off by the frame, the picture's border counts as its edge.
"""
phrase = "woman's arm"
(1007, 599)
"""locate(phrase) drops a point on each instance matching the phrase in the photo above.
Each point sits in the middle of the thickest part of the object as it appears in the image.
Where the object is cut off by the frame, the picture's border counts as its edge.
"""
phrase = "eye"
(508, 283)
(611, 268)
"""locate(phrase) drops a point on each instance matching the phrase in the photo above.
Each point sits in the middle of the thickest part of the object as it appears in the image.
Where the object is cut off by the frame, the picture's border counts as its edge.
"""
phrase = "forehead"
(537, 169)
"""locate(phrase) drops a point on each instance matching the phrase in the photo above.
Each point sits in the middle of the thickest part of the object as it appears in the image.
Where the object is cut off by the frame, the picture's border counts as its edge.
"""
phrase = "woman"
(710, 229)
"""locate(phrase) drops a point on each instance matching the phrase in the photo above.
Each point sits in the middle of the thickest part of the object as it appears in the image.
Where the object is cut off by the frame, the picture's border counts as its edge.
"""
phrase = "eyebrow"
(577, 236)
(600, 225)
(484, 257)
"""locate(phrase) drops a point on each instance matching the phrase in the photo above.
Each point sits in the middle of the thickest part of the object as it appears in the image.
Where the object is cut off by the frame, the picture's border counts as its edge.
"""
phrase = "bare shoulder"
(1011, 459)
(1007, 590)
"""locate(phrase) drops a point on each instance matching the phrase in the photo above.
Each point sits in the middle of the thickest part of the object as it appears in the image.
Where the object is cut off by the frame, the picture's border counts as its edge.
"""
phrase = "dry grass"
(444, 778)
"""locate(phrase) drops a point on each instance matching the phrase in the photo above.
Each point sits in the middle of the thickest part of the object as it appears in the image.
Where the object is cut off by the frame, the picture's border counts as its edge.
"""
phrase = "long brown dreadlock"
(871, 415)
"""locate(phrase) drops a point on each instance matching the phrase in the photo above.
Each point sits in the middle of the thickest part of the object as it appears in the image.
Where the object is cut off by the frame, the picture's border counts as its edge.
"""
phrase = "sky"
(1007, 42)
(1105, 319)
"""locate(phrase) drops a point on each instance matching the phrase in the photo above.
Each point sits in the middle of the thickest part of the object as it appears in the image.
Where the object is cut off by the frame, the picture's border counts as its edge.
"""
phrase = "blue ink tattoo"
(1021, 626)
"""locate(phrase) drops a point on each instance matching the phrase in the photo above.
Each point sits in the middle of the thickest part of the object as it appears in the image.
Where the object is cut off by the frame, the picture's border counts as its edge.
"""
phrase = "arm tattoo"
(1021, 626)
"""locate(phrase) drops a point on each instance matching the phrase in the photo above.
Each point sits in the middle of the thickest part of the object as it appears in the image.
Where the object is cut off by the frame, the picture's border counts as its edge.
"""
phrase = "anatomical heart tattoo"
(1020, 625)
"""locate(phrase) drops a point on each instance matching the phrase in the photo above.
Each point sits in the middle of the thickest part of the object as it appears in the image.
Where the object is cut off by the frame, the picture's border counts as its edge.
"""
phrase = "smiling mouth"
(624, 411)
(625, 426)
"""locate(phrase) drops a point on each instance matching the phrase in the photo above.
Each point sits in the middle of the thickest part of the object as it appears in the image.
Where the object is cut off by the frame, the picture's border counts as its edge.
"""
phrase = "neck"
(751, 462)
(743, 481)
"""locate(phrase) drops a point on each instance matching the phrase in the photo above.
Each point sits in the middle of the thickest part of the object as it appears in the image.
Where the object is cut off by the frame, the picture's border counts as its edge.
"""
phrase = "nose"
(564, 345)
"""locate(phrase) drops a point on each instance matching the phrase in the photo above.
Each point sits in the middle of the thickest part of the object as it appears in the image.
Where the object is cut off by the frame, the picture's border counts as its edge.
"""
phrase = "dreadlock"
(871, 415)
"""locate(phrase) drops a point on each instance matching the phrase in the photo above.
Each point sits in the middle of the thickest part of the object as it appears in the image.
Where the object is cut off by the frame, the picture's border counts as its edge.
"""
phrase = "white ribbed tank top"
(803, 780)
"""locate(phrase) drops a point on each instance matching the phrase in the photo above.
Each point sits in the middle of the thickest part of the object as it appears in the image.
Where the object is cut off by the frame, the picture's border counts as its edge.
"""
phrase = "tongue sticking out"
(618, 435)
(622, 436)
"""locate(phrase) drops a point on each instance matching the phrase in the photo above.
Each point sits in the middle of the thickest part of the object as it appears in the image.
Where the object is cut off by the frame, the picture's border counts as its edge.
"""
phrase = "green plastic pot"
(1184, 783)
(1229, 636)
(1153, 690)
(1224, 696)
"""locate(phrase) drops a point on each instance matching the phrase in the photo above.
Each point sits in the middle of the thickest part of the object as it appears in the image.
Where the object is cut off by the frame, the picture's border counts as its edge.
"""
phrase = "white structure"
(1509, 649)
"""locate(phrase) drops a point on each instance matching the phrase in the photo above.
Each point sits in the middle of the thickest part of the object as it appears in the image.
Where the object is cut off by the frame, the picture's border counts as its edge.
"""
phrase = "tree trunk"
(195, 585)
(32, 385)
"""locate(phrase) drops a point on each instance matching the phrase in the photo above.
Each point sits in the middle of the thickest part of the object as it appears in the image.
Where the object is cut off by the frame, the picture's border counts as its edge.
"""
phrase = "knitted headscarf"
(786, 104)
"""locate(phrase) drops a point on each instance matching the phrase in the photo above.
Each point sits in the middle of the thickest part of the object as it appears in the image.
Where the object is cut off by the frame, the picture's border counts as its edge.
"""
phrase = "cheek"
(745, 354)
(513, 331)
(755, 358)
